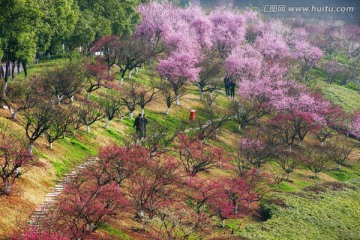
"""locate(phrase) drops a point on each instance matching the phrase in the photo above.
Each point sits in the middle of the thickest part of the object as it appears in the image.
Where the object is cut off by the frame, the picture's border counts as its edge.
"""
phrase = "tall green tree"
(17, 29)
(118, 16)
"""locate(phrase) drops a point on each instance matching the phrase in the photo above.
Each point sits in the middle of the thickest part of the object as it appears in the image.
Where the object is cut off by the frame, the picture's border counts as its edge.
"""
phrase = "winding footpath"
(50, 199)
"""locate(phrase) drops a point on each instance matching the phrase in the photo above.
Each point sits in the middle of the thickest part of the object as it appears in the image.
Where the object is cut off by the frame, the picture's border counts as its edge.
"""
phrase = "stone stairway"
(50, 199)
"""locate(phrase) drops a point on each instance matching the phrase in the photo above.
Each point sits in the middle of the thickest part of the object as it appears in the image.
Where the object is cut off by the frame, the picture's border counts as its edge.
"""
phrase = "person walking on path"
(144, 122)
(227, 85)
(138, 124)
(232, 88)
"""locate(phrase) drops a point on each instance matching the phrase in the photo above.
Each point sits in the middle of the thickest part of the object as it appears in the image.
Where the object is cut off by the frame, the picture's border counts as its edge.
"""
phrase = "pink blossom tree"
(355, 125)
(273, 46)
(179, 68)
(228, 30)
(307, 57)
(244, 62)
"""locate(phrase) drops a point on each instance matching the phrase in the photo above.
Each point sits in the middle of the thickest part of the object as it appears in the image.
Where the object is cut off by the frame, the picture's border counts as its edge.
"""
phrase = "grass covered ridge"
(323, 211)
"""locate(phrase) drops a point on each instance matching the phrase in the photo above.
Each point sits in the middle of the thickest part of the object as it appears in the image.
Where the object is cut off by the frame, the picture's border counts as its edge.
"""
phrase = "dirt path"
(50, 198)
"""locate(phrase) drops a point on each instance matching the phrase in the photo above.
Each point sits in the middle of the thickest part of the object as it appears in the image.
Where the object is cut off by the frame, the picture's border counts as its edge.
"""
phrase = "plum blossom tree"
(156, 19)
(38, 120)
(209, 76)
(112, 107)
(244, 114)
(181, 221)
(272, 46)
(178, 69)
(288, 161)
(61, 122)
(35, 234)
(255, 151)
(15, 160)
(200, 25)
(89, 113)
(307, 56)
(84, 205)
(339, 151)
(355, 125)
(197, 156)
(62, 83)
(169, 96)
(316, 159)
(228, 30)
(23, 95)
(153, 187)
(96, 76)
(304, 110)
(332, 70)
(116, 164)
(245, 63)
(108, 46)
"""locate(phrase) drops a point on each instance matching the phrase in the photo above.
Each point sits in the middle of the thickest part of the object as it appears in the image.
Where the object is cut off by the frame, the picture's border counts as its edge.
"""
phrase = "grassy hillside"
(303, 208)
(322, 211)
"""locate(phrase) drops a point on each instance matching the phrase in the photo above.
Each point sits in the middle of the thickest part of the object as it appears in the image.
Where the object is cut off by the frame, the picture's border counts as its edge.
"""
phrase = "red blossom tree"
(34, 234)
(197, 156)
(153, 187)
(15, 160)
(108, 46)
(96, 76)
(117, 164)
(84, 205)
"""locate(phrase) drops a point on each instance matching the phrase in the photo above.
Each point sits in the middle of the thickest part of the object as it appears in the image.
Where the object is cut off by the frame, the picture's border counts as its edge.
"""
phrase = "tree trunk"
(88, 96)
(25, 69)
(129, 74)
(316, 174)
(136, 70)
(107, 123)
(288, 176)
(121, 81)
(5, 88)
(74, 133)
(31, 146)
(105, 91)
(88, 128)
(8, 187)
(202, 95)
(239, 127)
(177, 100)
(142, 112)
(13, 71)
(322, 143)
(339, 166)
(211, 95)
(49, 56)
(290, 148)
(131, 115)
(223, 223)
(50, 145)
(167, 111)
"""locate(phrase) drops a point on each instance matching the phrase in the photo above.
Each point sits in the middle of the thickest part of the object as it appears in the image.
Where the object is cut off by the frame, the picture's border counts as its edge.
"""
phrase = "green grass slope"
(317, 212)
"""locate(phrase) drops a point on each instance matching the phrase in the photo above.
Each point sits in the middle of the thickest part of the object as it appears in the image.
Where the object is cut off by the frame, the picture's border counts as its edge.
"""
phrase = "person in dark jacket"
(227, 85)
(138, 124)
(232, 88)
